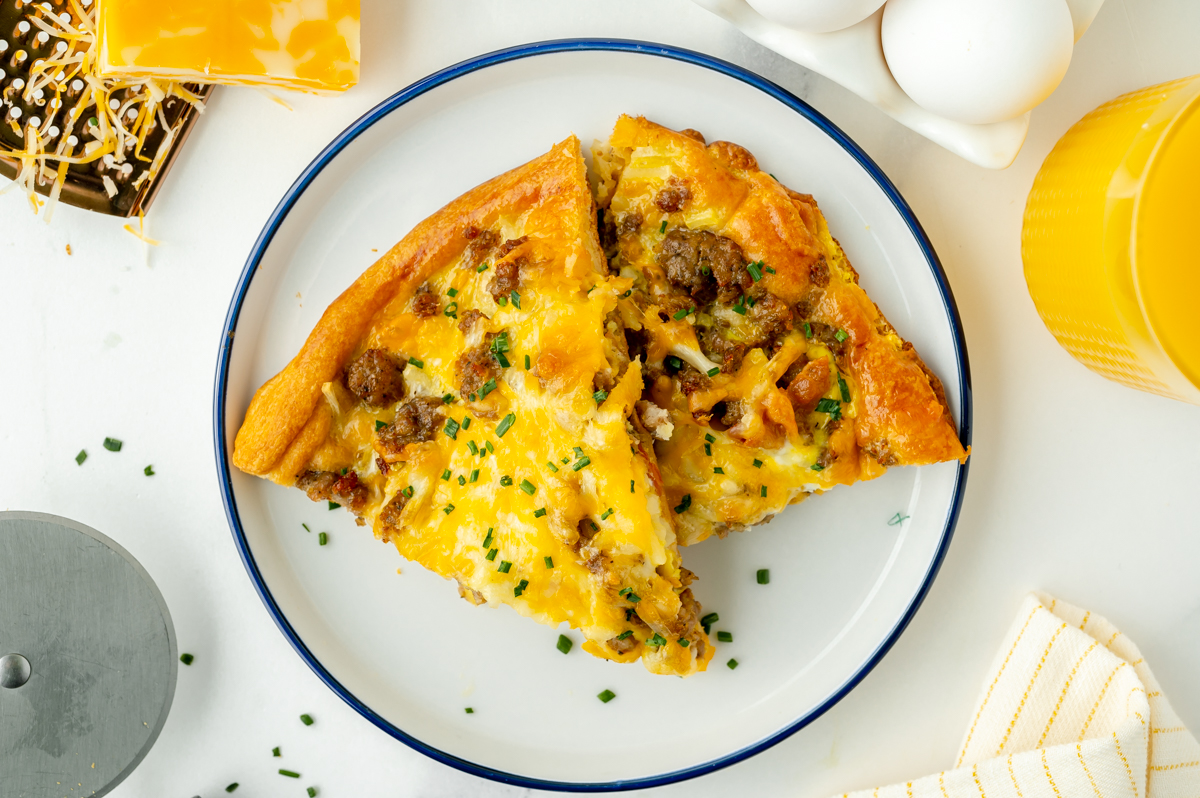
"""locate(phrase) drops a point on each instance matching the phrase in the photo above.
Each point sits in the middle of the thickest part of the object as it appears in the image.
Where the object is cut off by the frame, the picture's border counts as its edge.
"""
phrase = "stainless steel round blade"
(88, 659)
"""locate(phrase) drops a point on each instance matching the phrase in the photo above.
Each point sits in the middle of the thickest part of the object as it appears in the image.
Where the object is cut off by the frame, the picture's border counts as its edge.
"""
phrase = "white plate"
(405, 650)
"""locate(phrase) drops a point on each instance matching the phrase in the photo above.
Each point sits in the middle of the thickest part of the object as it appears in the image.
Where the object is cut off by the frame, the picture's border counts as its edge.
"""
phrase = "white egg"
(978, 61)
(816, 16)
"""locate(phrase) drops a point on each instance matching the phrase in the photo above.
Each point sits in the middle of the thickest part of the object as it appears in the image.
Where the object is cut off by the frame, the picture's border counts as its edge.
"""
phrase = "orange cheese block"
(293, 44)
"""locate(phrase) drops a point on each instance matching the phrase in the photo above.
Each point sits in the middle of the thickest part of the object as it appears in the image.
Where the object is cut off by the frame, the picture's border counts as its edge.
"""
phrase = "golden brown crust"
(282, 407)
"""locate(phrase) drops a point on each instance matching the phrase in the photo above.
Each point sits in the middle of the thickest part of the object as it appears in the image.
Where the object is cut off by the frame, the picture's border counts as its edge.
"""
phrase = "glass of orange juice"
(1111, 240)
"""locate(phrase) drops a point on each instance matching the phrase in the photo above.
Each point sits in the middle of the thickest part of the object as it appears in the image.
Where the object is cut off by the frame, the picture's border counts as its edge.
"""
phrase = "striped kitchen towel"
(1069, 710)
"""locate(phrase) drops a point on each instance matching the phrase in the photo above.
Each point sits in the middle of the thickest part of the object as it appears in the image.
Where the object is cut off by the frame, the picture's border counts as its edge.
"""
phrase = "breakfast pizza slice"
(471, 398)
(770, 374)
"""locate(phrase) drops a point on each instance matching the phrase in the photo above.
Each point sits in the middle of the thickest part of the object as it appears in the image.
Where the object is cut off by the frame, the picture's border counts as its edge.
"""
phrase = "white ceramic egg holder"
(854, 58)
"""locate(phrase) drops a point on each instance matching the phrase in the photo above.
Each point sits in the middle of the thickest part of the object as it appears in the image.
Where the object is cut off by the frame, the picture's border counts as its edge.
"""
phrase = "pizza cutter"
(88, 659)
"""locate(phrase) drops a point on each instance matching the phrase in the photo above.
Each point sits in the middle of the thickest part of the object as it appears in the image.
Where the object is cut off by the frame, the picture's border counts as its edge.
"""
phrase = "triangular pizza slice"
(471, 398)
(770, 375)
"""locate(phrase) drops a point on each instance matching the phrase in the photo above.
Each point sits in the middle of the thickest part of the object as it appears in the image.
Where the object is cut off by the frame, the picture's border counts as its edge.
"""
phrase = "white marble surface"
(1079, 487)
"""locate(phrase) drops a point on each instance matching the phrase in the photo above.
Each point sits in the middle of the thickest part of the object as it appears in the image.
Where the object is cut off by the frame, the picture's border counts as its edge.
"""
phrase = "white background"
(1079, 487)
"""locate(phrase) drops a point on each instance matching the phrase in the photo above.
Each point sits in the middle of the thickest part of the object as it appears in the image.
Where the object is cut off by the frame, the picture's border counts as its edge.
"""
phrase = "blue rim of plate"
(427, 84)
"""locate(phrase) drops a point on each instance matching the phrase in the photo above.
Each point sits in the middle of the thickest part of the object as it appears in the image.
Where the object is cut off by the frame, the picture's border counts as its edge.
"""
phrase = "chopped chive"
(487, 541)
(625, 635)
(451, 429)
(448, 399)
(453, 292)
(291, 774)
(322, 538)
(663, 229)
(708, 449)
(449, 508)
(840, 335)
(474, 475)
(817, 467)
(631, 488)
(231, 787)
(528, 487)
(472, 447)
(758, 463)
(733, 663)
(112, 444)
(502, 301)
(565, 460)
(306, 529)
(763, 576)
(683, 313)
(629, 615)
(897, 519)
(739, 307)
(768, 270)
(275, 752)
(763, 491)
(718, 470)
(506, 481)
(416, 363)
(79, 458)
(93, 122)
(709, 620)
(673, 363)
(483, 267)
(408, 492)
(466, 422)
(527, 362)
(845, 390)
(539, 512)
(148, 470)
(683, 641)
(608, 695)
(501, 344)
(684, 503)
(469, 711)
(714, 371)
(549, 562)
(446, 475)
(379, 425)
(564, 644)
(312, 791)
(581, 463)
(505, 565)
(755, 270)
(489, 446)
(552, 466)
(334, 505)
(753, 301)
(471, 397)
(725, 637)
(344, 470)
(516, 300)
(491, 555)
(506, 424)
(658, 641)
(462, 480)
(808, 330)
(831, 406)
(451, 310)
(502, 360)
(306, 719)
(708, 436)
(578, 451)
(186, 659)
(520, 588)
(606, 513)
(632, 597)
(600, 396)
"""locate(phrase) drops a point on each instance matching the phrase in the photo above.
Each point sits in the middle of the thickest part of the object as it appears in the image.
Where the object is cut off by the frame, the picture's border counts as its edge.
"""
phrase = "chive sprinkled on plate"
(291, 774)
(581, 463)
(714, 371)
(528, 487)
(897, 519)
(549, 562)
(506, 481)
(520, 588)
(275, 752)
(231, 787)
(306, 529)
(600, 396)
(840, 335)
(684, 503)
(663, 229)
(79, 458)
(323, 539)
(564, 644)
(506, 424)
(733, 663)
(608, 695)
(491, 555)
(186, 659)
(763, 576)
(306, 719)
(604, 515)
(505, 566)
(312, 791)
(112, 444)
(416, 363)
(451, 429)
(709, 620)
(539, 512)
(469, 710)
(552, 466)
(334, 505)
(725, 637)
(148, 470)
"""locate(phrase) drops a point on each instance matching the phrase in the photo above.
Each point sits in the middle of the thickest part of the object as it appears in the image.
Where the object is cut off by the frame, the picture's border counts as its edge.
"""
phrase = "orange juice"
(1109, 243)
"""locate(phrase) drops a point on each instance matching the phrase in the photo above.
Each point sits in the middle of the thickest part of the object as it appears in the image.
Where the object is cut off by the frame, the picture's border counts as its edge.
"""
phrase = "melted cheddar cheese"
(779, 376)
(536, 488)
(294, 44)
